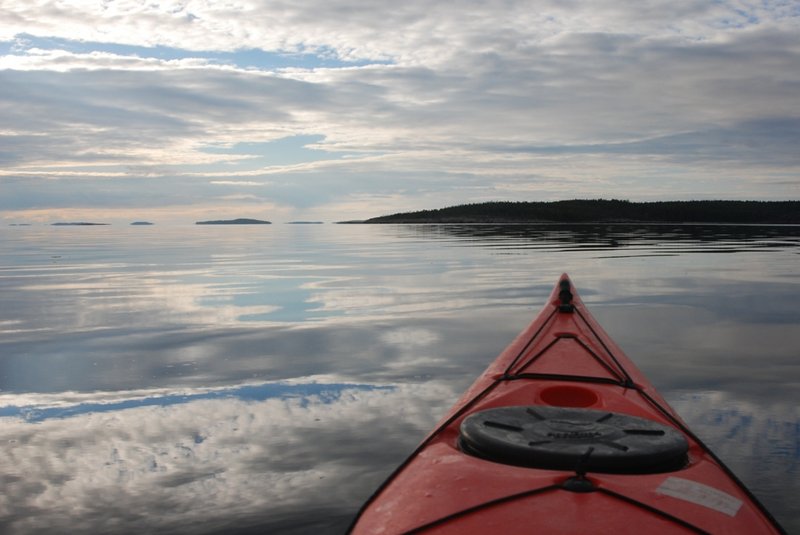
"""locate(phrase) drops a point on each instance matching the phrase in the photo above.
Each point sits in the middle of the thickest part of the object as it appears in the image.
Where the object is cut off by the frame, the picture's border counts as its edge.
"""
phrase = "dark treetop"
(590, 211)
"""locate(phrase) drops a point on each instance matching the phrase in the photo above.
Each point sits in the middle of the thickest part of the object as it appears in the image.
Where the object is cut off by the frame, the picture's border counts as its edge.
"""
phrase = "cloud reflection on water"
(326, 392)
(759, 441)
(209, 463)
(223, 460)
(419, 309)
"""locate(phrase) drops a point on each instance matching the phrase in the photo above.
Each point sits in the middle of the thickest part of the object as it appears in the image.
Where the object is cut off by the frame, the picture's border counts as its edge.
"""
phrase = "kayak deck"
(561, 434)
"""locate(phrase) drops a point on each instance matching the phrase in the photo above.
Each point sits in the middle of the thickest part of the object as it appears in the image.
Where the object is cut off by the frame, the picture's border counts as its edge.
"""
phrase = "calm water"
(266, 379)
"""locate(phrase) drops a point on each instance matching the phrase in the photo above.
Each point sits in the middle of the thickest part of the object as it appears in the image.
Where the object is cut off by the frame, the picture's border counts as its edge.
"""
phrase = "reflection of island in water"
(640, 239)
(596, 211)
(240, 221)
(78, 224)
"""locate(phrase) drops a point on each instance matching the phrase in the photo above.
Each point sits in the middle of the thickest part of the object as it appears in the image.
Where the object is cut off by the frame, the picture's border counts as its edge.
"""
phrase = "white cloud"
(63, 61)
(474, 101)
(345, 29)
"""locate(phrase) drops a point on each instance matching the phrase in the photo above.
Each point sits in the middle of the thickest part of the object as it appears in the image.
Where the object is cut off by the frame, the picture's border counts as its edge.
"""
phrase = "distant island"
(240, 221)
(607, 211)
(141, 223)
(77, 224)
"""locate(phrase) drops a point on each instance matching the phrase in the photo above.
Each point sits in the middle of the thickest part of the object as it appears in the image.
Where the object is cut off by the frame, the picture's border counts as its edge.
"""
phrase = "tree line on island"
(601, 210)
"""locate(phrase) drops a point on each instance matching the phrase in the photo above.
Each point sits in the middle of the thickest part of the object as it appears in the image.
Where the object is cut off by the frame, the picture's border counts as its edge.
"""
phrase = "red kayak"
(563, 434)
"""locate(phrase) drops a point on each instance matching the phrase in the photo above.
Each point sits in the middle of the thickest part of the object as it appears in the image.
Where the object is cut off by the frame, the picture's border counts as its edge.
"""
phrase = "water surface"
(228, 379)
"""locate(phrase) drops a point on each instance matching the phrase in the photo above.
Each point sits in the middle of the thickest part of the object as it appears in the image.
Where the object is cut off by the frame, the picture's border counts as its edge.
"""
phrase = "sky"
(330, 110)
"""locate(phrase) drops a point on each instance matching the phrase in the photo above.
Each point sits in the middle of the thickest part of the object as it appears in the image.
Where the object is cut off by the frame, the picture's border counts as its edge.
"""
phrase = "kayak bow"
(563, 434)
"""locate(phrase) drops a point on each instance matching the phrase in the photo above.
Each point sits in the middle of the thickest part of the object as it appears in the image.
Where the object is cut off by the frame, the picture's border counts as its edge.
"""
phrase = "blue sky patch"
(285, 151)
(245, 58)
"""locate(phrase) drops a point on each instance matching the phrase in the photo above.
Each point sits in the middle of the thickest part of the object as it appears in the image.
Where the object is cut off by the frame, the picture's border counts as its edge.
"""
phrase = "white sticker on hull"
(700, 494)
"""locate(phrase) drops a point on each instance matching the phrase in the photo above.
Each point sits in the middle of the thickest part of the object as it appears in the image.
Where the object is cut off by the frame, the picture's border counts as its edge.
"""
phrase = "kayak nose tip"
(578, 483)
(565, 295)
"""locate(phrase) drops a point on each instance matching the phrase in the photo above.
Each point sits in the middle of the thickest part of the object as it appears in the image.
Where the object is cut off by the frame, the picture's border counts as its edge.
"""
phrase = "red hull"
(562, 361)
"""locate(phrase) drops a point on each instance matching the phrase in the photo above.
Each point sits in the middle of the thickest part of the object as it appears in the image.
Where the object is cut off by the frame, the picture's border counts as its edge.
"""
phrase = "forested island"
(240, 221)
(607, 211)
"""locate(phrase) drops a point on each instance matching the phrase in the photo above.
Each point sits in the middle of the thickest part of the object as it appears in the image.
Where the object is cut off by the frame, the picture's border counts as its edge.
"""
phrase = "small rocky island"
(240, 221)
(141, 223)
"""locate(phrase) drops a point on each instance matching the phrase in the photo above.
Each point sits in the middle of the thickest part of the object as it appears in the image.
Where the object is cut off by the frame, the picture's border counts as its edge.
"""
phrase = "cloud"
(62, 61)
(462, 101)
